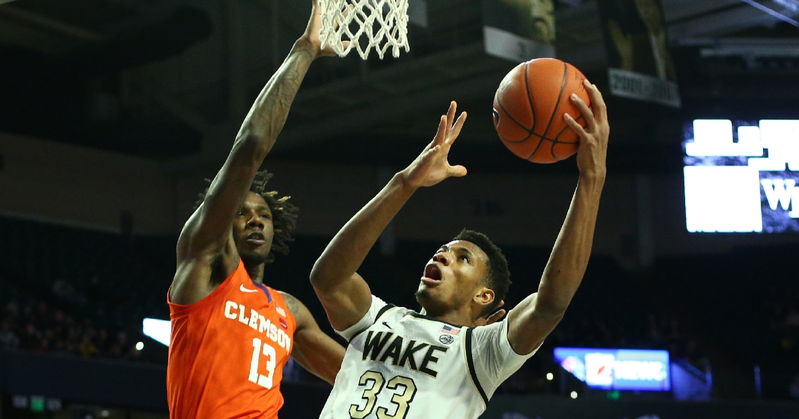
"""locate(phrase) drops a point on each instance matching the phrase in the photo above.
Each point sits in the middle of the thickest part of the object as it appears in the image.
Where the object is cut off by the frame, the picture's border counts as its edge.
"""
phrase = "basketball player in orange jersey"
(231, 334)
(441, 362)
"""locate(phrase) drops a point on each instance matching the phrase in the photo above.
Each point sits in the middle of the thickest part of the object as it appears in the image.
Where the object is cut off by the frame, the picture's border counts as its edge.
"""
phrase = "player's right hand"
(593, 148)
(432, 165)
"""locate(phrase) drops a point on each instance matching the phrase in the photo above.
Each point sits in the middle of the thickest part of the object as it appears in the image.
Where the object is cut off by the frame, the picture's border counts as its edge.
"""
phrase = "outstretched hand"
(432, 165)
(593, 148)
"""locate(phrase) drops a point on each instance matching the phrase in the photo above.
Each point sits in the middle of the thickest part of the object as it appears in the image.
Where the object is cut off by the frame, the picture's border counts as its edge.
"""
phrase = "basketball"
(529, 106)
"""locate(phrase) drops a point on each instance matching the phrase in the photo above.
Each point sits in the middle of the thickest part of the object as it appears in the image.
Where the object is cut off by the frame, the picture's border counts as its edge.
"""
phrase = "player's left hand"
(312, 33)
(593, 148)
(432, 166)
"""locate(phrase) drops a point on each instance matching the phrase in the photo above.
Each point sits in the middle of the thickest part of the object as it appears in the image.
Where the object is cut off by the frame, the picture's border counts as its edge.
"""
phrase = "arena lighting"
(573, 395)
(617, 369)
(741, 176)
(790, 4)
(157, 329)
(550, 376)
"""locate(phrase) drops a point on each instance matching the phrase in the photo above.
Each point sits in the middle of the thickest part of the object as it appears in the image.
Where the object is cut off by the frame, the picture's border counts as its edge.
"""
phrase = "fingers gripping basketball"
(529, 106)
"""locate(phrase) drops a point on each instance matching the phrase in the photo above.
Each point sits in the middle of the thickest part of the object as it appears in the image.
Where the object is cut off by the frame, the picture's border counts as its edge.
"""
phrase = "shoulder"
(295, 306)
(302, 316)
(489, 334)
(382, 310)
(379, 312)
(198, 277)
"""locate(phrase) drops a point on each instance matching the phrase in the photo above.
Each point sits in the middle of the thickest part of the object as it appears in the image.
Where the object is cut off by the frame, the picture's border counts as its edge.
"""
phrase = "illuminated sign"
(742, 176)
(617, 369)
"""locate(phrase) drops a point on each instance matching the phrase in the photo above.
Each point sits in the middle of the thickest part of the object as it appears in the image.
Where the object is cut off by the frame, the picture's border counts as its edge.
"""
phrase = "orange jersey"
(227, 351)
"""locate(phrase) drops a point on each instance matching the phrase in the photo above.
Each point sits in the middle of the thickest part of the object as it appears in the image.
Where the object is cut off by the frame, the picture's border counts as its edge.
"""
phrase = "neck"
(461, 316)
(256, 271)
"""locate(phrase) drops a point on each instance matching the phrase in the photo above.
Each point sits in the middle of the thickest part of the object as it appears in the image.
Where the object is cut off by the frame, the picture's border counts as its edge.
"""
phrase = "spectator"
(8, 339)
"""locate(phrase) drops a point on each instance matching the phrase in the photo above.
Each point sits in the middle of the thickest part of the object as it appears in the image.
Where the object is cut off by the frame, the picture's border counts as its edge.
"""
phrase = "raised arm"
(207, 231)
(538, 314)
(343, 293)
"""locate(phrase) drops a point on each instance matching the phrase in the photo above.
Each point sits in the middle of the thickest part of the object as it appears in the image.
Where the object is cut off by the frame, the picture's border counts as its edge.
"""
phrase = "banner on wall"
(640, 65)
(617, 369)
(519, 30)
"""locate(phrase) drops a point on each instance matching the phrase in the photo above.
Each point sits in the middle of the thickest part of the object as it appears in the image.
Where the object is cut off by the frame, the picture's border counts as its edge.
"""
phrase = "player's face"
(452, 277)
(253, 230)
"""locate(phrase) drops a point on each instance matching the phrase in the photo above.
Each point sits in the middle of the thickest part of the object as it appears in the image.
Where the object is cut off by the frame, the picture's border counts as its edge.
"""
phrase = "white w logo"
(782, 193)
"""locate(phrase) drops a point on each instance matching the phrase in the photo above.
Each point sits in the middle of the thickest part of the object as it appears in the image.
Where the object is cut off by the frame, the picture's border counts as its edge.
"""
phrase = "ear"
(484, 296)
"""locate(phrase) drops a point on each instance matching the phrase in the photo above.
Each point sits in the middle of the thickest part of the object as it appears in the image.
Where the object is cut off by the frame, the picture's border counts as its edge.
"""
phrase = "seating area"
(744, 307)
(80, 292)
(83, 293)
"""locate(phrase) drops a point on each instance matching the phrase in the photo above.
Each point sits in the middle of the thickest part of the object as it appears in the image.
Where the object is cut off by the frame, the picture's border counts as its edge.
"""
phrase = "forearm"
(269, 112)
(325, 362)
(349, 247)
(256, 137)
(569, 258)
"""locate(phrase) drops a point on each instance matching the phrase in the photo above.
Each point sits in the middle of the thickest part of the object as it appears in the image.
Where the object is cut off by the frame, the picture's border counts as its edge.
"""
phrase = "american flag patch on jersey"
(450, 330)
(280, 311)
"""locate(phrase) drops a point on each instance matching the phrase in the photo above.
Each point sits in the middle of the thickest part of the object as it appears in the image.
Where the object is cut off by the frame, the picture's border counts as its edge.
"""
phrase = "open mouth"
(256, 238)
(432, 275)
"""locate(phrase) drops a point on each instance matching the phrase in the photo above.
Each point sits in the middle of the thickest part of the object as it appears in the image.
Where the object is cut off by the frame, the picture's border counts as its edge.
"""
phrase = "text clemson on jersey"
(237, 311)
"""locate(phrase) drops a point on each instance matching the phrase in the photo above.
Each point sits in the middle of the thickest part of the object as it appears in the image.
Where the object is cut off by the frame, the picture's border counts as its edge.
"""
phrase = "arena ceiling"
(171, 80)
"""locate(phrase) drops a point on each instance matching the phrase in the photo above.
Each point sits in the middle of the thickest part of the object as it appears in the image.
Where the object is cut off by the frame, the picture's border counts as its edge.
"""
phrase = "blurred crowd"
(89, 296)
(34, 325)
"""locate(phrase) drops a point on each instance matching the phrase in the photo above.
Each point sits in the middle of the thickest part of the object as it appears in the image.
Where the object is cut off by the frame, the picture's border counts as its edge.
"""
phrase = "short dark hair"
(498, 272)
(284, 213)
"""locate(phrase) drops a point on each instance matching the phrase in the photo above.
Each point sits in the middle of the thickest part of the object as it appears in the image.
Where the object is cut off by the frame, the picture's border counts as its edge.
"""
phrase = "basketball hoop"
(367, 24)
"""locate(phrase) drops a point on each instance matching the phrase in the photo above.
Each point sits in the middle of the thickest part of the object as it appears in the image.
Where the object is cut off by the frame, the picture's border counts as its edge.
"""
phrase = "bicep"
(527, 328)
(347, 302)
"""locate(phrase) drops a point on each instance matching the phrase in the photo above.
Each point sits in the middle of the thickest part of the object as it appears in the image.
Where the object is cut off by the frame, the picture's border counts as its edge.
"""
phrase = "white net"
(366, 24)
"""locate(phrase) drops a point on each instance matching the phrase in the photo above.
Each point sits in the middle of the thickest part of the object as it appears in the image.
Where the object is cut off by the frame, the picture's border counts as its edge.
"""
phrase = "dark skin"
(217, 234)
(462, 268)
(235, 224)
(453, 287)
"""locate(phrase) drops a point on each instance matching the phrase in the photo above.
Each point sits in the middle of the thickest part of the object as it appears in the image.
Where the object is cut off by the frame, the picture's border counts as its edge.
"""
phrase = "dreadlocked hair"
(284, 213)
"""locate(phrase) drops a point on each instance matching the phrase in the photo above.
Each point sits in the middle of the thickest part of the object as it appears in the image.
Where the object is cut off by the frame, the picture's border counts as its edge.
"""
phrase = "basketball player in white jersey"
(440, 363)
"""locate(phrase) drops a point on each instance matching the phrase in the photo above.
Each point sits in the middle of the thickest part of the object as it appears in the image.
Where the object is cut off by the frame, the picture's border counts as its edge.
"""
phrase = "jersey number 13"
(261, 348)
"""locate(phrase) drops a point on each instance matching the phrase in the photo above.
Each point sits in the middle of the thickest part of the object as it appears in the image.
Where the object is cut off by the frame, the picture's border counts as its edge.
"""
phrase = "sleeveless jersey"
(402, 364)
(227, 351)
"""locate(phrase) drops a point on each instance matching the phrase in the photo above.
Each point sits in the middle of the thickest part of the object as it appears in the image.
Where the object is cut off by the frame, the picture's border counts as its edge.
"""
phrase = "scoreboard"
(741, 176)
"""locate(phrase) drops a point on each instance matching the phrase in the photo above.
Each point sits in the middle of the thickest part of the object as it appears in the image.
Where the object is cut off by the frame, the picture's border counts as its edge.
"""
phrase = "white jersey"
(402, 364)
